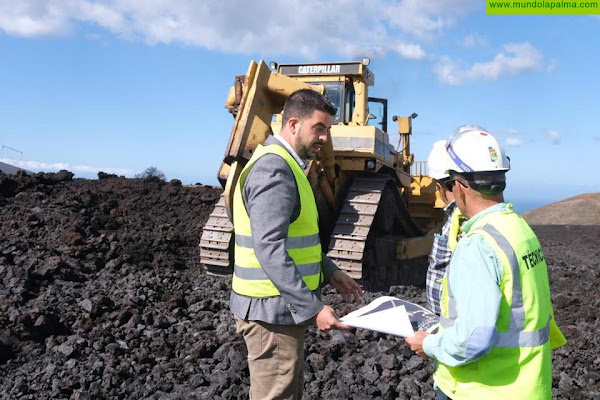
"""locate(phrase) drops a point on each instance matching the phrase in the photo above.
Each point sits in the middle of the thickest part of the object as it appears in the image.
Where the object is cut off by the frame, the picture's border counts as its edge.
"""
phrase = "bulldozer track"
(216, 240)
(364, 241)
(349, 237)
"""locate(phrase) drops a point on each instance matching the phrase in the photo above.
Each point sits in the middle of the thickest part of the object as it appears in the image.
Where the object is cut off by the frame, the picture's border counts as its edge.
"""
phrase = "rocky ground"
(102, 296)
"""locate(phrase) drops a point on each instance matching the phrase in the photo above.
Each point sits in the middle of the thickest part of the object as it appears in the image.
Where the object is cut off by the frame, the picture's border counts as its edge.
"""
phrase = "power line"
(2, 152)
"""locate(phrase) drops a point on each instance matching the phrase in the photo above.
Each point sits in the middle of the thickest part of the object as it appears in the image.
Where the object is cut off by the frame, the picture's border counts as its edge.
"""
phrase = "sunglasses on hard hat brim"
(447, 183)
(461, 178)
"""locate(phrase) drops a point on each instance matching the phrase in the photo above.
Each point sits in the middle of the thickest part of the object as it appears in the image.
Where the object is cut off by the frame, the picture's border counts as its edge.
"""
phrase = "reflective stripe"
(251, 274)
(309, 269)
(258, 274)
(244, 241)
(297, 242)
(513, 339)
(446, 322)
(300, 242)
(517, 310)
(452, 311)
(524, 339)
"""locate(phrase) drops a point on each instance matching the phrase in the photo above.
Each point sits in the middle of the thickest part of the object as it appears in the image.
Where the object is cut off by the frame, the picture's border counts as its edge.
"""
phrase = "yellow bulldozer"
(376, 218)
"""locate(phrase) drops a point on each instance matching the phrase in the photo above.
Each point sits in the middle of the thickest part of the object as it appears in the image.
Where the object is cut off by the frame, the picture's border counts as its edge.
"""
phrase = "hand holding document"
(393, 316)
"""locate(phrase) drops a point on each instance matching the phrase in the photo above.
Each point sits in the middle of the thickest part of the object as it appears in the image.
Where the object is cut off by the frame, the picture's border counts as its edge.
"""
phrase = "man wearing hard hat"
(438, 163)
(497, 325)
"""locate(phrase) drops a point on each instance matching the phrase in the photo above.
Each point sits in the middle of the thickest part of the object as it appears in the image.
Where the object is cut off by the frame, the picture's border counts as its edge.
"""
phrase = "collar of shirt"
(500, 207)
(449, 209)
(289, 148)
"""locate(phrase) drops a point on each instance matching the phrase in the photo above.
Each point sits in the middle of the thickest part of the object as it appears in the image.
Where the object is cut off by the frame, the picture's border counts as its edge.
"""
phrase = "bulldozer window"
(334, 92)
(378, 113)
(348, 103)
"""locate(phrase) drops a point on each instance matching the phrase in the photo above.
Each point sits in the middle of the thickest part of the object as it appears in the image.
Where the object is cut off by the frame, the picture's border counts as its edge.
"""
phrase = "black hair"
(302, 103)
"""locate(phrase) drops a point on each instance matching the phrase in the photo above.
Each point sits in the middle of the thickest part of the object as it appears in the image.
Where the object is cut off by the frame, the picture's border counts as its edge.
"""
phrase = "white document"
(393, 316)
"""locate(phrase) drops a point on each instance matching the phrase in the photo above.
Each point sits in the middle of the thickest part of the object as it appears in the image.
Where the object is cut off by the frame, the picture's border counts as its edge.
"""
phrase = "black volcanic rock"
(103, 296)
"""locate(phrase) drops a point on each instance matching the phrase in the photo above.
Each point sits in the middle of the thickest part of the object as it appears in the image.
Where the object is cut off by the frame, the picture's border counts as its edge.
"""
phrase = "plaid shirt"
(438, 260)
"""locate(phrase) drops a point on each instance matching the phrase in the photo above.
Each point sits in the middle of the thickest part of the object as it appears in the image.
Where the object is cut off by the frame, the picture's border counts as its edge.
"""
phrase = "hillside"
(9, 169)
(579, 210)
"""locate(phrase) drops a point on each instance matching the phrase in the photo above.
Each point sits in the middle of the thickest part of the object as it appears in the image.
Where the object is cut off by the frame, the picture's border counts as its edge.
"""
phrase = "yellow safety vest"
(456, 220)
(302, 242)
(519, 366)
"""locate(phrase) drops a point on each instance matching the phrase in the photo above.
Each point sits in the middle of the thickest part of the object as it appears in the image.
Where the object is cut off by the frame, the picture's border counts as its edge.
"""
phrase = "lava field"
(103, 296)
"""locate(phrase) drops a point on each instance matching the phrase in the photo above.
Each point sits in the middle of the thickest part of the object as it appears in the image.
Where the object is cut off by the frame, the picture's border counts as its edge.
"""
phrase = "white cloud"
(447, 71)
(514, 142)
(424, 19)
(516, 58)
(553, 136)
(306, 27)
(410, 51)
(31, 18)
(36, 166)
(519, 57)
(474, 40)
(512, 138)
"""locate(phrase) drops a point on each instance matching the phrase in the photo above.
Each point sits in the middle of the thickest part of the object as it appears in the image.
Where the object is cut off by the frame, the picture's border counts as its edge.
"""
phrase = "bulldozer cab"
(346, 86)
(343, 96)
(359, 135)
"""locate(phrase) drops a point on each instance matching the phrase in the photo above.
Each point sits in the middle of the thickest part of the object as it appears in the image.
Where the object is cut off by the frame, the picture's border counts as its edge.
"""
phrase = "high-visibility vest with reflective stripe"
(519, 365)
(302, 243)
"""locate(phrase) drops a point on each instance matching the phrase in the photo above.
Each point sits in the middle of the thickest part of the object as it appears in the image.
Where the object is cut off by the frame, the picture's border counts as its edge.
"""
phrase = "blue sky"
(122, 85)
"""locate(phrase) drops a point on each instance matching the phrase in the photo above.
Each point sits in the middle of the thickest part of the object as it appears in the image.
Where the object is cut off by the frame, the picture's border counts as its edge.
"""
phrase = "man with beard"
(279, 265)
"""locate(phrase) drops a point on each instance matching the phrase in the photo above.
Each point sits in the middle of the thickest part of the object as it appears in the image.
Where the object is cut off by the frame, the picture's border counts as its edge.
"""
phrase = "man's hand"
(345, 285)
(416, 342)
(327, 320)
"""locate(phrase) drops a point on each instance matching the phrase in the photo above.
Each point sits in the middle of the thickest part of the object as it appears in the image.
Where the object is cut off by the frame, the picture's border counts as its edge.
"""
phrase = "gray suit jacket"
(272, 200)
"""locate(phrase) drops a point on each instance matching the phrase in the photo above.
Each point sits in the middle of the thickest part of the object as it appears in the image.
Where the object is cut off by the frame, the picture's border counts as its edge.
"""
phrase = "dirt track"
(102, 296)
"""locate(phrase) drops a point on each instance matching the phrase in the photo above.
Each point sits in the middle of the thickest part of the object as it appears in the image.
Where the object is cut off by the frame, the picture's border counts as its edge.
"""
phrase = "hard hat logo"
(493, 154)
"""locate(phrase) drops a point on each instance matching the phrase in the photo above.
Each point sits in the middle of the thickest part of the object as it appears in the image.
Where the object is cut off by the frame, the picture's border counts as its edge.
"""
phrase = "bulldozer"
(377, 208)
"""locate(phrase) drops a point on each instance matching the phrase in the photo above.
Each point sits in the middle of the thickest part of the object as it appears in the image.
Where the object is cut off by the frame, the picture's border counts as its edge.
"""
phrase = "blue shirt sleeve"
(475, 275)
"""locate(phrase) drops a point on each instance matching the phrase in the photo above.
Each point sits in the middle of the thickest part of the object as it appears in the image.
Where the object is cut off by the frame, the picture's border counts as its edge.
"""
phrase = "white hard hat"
(439, 161)
(474, 149)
